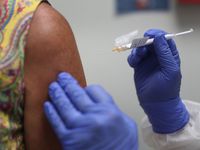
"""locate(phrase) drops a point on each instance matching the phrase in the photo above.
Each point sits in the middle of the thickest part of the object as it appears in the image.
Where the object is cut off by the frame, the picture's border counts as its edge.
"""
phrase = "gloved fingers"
(98, 94)
(174, 50)
(55, 120)
(65, 78)
(152, 33)
(146, 68)
(164, 54)
(77, 94)
(137, 56)
(62, 103)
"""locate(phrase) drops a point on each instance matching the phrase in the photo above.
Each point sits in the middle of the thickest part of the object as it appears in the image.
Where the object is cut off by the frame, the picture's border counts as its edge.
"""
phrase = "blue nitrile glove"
(158, 80)
(88, 119)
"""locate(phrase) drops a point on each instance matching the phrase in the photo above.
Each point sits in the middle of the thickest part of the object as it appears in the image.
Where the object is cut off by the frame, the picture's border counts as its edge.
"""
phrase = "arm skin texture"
(50, 49)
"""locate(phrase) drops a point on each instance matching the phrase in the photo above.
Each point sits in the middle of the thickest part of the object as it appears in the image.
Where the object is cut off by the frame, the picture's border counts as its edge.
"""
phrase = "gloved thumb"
(164, 54)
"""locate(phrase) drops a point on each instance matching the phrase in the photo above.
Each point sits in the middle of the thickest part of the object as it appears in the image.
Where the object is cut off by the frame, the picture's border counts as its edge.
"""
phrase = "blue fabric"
(87, 118)
(158, 80)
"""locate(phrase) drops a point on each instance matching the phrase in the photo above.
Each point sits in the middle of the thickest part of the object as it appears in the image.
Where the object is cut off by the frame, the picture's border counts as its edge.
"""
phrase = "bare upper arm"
(50, 49)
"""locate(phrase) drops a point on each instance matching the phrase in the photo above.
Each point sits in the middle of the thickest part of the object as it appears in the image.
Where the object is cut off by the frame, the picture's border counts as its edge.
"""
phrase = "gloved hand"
(88, 119)
(158, 80)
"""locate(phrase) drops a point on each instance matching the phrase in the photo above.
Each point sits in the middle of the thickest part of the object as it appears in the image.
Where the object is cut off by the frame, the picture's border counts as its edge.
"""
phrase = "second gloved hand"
(88, 119)
(158, 80)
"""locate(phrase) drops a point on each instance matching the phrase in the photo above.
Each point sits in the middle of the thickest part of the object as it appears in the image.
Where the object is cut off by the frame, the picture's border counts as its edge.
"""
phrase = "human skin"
(50, 49)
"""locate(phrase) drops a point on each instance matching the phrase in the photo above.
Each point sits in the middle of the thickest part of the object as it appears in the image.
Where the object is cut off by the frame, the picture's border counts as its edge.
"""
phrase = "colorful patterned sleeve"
(15, 18)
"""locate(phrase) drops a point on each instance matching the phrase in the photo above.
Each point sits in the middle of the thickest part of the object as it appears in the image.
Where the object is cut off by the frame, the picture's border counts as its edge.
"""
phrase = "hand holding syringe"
(139, 42)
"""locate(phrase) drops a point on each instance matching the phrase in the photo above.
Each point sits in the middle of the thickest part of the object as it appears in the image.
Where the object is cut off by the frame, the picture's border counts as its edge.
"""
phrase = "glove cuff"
(166, 117)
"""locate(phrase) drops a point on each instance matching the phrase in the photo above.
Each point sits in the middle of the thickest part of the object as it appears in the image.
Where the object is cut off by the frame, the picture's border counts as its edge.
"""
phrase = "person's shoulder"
(48, 30)
(46, 19)
(49, 37)
(50, 45)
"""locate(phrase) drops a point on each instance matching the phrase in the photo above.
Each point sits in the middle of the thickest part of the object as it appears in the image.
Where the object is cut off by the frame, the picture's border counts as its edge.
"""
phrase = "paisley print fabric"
(15, 18)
